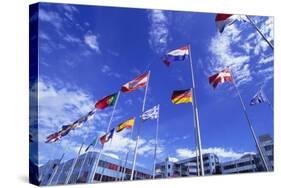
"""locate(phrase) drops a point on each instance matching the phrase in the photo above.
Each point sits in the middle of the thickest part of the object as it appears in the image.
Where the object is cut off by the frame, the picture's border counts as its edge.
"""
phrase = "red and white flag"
(136, 83)
(53, 137)
(220, 77)
(223, 20)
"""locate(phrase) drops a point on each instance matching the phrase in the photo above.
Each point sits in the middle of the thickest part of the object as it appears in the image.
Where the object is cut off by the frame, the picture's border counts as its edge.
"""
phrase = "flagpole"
(250, 125)
(156, 141)
(80, 170)
(126, 158)
(55, 171)
(196, 116)
(127, 155)
(73, 165)
(107, 130)
(259, 31)
(86, 155)
(138, 132)
(195, 136)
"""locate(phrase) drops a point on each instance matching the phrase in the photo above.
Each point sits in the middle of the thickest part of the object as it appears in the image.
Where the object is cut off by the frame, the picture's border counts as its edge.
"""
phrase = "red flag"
(220, 77)
(223, 20)
(135, 84)
(105, 138)
(106, 101)
(53, 137)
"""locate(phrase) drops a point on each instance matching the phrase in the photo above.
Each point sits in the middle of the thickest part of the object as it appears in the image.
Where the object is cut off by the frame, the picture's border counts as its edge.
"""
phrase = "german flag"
(127, 124)
(182, 96)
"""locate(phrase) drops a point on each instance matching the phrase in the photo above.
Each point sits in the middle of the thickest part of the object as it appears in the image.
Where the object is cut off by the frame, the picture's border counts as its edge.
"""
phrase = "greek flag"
(258, 98)
(152, 113)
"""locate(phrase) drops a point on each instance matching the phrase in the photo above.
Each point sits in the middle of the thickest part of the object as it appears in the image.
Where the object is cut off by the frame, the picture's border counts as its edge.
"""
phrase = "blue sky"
(88, 52)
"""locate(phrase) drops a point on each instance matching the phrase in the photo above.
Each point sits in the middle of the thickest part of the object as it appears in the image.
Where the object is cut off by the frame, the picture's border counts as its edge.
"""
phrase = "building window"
(169, 166)
(268, 148)
(229, 167)
(168, 174)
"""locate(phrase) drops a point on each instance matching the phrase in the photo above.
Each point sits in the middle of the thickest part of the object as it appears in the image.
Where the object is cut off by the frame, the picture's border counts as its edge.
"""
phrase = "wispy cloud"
(122, 142)
(243, 50)
(223, 55)
(109, 72)
(51, 17)
(223, 153)
(92, 41)
(72, 39)
(158, 31)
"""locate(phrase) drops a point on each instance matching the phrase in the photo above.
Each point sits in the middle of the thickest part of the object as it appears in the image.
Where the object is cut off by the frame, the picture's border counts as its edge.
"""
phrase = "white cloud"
(173, 159)
(223, 153)
(237, 46)
(122, 142)
(107, 70)
(92, 41)
(60, 104)
(51, 17)
(224, 56)
(158, 31)
(72, 39)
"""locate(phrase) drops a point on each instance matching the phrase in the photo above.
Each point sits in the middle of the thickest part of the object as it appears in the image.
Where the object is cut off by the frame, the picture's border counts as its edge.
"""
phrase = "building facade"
(109, 169)
(247, 163)
(267, 147)
(188, 167)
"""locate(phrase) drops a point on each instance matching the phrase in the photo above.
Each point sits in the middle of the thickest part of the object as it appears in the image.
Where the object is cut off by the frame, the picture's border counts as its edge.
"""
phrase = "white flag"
(152, 113)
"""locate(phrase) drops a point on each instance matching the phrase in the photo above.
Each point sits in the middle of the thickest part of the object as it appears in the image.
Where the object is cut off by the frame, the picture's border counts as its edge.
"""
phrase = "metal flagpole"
(138, 132)
(55, 170)
(86, 155)
(250, 125)
(259, 31)
(57, 180)
(80, 170)
(195, 136)
(107, 130)
(126, 158)
(156, 141)
(196, 116)
(73, 165)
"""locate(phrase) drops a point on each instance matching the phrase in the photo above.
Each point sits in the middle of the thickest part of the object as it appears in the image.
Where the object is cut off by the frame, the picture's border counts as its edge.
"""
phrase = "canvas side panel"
(33, 95)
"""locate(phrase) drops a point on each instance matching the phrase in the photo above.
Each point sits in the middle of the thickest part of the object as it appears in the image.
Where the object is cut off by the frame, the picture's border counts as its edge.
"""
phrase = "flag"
(93, 143)
(66, 129)
(220, 77)
(106, 101)
(53, 137)
(182, 96)
(223, 20)
(176, 55)
(91, 114)
(136, 83)
(152, 113)
(127, 124)
(105, 138)
(258, 98)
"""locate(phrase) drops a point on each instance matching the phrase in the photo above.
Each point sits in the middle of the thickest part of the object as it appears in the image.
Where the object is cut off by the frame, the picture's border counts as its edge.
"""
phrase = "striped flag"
(182, 96)
(105, 138)
(152, 113)
(258, 98)
(176, 55)
(138, 82)
(126, 124)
